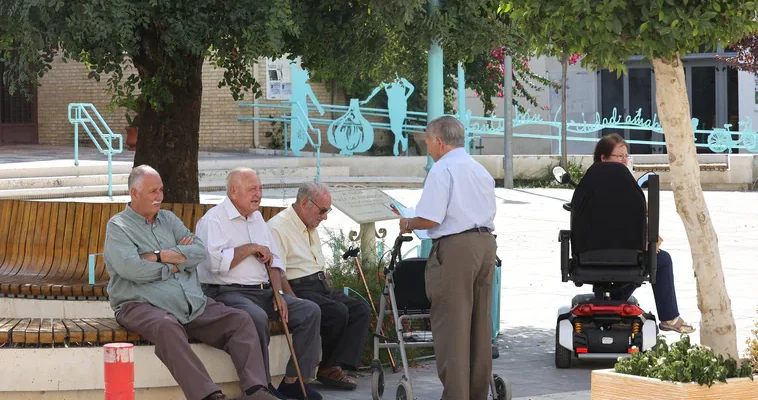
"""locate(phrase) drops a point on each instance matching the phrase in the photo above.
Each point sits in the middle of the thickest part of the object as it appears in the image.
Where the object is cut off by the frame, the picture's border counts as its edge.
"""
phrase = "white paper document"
(410, 212)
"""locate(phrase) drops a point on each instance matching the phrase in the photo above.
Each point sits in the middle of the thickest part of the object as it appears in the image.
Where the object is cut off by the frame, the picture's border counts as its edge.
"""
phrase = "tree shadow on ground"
(526, 360)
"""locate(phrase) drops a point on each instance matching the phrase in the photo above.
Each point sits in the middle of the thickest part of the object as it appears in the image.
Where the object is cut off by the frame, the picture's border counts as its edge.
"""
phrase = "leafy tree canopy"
(607, 32)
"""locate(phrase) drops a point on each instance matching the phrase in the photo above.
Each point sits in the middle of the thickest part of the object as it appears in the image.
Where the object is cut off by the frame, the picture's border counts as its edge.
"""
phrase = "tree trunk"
(169, 139)
(564, 134)
(717, 329)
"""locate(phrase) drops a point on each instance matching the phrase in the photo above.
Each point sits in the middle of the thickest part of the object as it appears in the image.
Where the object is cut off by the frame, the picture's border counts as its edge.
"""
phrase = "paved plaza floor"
(527, 225)
(527, 228)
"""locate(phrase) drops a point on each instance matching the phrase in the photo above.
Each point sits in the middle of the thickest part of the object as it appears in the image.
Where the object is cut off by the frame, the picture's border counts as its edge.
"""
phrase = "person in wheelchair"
(613, 148)
(607, 248)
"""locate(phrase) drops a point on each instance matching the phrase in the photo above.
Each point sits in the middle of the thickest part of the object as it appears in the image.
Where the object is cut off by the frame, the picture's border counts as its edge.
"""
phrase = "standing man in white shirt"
(239, 244)
(344, 320)
(457, 207)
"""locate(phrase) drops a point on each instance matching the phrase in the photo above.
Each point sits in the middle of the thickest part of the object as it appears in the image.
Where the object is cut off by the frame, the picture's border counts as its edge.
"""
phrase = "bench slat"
(75, 333)
(90, 333)
(16, 241)
(18, 333)
(119, 332)
(6, 208)
(47, 262)
(7, 328)
(60, 333)
(32, 331)
(104, 333)
(46, 331)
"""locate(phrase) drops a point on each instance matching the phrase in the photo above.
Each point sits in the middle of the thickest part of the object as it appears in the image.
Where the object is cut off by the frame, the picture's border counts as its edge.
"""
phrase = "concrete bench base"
(58, 372)
(165, 393)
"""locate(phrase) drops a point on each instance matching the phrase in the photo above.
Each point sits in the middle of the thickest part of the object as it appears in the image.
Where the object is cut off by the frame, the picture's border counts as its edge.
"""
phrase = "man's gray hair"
(449, 129)
(309, 190)
(233, 176)
(138, 175)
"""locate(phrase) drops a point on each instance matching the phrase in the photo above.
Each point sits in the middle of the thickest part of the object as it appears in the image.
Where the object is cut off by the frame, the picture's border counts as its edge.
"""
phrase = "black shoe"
(293, 390)
(276, 392)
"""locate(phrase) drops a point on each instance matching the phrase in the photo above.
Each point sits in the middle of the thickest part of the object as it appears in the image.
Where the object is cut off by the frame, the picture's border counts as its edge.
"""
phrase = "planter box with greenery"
(676, 372)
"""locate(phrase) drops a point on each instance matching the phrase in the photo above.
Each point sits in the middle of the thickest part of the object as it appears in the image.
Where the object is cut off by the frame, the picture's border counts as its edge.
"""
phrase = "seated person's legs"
(232, 330)
(303, 321)
(172, 348)
(665, 296)
(344, 326)
(260, 318)
(664, 292)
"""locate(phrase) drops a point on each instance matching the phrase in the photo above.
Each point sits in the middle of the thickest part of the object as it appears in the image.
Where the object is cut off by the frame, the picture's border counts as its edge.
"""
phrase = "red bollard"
(119, 371)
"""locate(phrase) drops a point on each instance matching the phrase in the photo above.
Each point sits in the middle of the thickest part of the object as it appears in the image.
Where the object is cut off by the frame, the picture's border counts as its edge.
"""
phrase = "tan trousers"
(459, 276)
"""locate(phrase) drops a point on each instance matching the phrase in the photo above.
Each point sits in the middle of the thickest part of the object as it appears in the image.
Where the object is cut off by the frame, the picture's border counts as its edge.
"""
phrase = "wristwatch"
(157, 254)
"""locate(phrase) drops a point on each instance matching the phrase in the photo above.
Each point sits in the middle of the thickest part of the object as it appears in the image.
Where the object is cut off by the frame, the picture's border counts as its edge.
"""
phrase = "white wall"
(581, 97)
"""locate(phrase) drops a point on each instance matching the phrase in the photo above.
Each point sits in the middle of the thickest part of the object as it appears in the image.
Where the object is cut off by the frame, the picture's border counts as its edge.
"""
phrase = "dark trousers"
(303, 323)
(344, 324)
(222, 327)
(459, 274)
(663, 289)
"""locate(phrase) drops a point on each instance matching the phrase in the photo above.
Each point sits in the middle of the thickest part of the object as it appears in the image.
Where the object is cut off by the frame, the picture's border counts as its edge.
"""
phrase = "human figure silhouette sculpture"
(398, 92)
(301, 91)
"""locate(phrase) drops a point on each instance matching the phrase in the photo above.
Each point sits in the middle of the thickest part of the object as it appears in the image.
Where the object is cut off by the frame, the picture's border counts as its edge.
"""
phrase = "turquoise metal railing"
(306, 127)
(82, 114)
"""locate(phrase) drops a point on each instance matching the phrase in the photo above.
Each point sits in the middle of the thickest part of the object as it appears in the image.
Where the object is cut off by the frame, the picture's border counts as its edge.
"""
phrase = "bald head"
(239, 175)
(244, 190)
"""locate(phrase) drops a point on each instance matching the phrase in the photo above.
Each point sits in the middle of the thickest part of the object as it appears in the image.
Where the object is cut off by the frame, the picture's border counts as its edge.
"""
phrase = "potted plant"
(680, 370)
(133, 106)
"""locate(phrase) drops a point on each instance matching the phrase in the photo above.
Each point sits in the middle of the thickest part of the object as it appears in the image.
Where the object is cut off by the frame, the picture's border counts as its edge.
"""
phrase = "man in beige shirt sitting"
(344, 321)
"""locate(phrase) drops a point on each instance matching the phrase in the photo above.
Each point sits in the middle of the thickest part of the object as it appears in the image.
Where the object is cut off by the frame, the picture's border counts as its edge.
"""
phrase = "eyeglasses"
(322, 211)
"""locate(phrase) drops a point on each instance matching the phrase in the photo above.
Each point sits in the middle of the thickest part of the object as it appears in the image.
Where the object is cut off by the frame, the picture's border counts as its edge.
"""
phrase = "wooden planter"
(609, 385)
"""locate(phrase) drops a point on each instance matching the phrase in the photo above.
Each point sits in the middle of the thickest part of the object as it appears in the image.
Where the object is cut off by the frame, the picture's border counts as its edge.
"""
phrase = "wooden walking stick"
(280, 300)
(353, 252)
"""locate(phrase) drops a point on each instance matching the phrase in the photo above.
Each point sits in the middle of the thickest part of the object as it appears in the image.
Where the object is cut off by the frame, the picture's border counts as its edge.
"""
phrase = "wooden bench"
(65, 332)
(45, 246)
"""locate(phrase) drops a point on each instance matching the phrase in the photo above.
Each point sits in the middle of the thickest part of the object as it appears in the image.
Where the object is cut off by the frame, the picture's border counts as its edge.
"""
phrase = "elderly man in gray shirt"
(152, 259)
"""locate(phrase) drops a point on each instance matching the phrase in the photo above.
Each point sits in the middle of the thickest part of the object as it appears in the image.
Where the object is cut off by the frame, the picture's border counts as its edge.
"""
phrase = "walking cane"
(353, 252)
(279, 299)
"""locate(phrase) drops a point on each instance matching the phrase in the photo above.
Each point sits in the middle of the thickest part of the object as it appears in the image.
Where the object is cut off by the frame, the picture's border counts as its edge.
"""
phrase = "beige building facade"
(44, 120)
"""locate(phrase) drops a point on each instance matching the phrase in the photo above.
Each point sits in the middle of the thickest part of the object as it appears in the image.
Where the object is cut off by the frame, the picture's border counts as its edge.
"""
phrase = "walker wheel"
(404, 390)
(502, 388)
(377, 383)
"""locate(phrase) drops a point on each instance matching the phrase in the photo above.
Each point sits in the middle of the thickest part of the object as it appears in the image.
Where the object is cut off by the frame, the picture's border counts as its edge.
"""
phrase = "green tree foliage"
(607, 32)
(156, 50)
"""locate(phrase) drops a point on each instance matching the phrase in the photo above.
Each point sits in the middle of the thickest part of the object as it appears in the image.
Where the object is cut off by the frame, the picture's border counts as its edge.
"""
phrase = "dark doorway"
(18, 116)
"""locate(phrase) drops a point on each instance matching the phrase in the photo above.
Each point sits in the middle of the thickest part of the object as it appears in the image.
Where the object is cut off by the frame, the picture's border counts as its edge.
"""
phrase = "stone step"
(121, 179)
(56, 168)
(211, 186)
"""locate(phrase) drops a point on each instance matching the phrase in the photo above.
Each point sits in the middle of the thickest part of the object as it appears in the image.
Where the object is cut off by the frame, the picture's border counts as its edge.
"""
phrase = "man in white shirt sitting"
(344, 320)
(239, 244)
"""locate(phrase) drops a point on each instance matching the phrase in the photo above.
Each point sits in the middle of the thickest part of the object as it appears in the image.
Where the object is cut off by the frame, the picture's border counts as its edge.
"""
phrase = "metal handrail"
(79, 114)
(285, 119)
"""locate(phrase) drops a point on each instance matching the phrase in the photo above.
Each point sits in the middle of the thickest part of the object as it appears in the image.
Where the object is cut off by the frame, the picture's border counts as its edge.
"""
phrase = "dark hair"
(606, 144)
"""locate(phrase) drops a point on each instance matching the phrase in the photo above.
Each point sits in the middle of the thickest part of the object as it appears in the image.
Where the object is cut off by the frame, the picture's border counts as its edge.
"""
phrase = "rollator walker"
(611, 245)
(406, 290)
